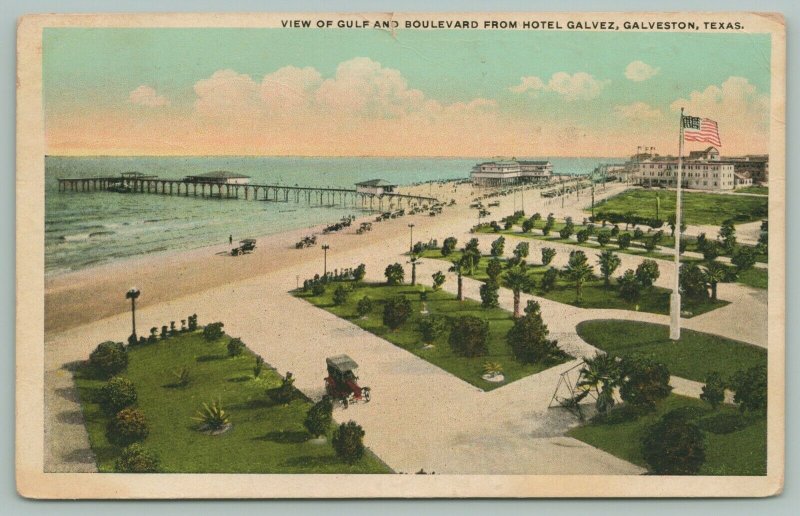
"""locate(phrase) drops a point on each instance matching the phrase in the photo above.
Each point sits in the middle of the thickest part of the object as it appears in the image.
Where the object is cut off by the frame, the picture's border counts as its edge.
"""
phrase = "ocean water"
(85, 229)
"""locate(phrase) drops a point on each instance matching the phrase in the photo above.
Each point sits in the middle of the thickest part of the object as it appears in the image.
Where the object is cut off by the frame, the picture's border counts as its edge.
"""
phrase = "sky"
(370, 92)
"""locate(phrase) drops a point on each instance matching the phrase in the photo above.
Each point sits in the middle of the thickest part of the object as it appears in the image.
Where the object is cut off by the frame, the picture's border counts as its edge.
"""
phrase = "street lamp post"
(133, 294)
(411, 239)
(325, 248)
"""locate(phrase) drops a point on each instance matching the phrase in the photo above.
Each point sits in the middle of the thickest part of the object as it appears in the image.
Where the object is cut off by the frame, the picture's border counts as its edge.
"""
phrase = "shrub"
(137, 459)
(318, 289)
(528, 338)
(359, 272)
(644, 382)
(527, 225)
(494, 268)
(490, 294)
(629, 287)
(638, 234)
(128, 426)
(548, 253)
(710, 250)
(117, 394)
(319, 417)
(438, 280)
(743, 258)
(674, 446)
(650, 244)
(108, 358)
(647, 273)
(498, 247)
(235, 347)
(751, 389)
(153, 337)
(213, 417)
(348, 442)
(624, 240)
(258, 367)
(364, 306)
(340, 295)
(164, 332)
(582, 236)
(213, 331)
(394, 274)
(192, 322)
(521, 251)
(565, 232)
(723, 423)
(432, 327)
(469, 336)
(449, 245)
(603, 238)
(549, 279)
(395, 312)
(693, 281)
(713, 390)
(614, 230)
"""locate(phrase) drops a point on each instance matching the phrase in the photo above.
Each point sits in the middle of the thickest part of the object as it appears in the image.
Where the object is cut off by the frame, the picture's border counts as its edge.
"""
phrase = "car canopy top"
(342, 363)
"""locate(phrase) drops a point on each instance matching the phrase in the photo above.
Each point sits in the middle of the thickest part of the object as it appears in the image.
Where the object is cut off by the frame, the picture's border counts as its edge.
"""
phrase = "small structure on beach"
(510, 172)
(219, 177)
(375, 187)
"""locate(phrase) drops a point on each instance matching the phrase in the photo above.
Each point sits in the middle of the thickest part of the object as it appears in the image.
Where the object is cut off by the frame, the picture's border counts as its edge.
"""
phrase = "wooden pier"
(219, 190)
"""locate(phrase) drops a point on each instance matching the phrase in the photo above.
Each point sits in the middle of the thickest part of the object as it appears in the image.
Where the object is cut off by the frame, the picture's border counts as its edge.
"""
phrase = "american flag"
(696, 129)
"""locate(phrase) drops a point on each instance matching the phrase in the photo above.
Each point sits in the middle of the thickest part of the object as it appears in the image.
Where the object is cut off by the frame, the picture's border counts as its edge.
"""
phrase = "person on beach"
(230, 239)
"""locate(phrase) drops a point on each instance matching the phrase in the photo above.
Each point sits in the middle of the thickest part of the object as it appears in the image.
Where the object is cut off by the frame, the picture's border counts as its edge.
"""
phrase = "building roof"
(221, 174)
(534, 162)
(376, 183)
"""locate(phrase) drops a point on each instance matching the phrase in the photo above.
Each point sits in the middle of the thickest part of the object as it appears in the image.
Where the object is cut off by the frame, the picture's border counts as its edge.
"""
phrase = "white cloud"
(578, 86)
(638, 71)
(290, 86)
(147, 96)
(226, 92)
(637, 111)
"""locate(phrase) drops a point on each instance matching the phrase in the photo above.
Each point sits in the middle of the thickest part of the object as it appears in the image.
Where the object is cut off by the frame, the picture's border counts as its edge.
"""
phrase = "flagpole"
(675, 299)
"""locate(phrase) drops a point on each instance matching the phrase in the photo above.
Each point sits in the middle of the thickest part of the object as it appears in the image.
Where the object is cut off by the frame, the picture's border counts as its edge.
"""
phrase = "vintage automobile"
(341, 384)
(245, 246)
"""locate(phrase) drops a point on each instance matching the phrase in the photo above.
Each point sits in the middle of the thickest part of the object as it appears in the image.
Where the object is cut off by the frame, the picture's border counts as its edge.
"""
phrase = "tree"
(471, 255)
(494, 268)
(693, 282)
(582, 236)
(710, 250)
(469, 336)
(432, 327)
(548, 253)
(614, 230)
(489, 294)
(715, 273)
(449, 245)
(601, 374)
(394, 274)
(644, 382)
(459, 267)
(414, 261)
(108, 359)
(671, 224)
(396, 311)
(578, 271)
(319, 417)
(674, 446)
(235, 347)
(713, 390)
(528, 338)
(527, 225)
(340, 295)
(624, 240)
(566, 232)
(603, 238)
(609, 262)
(521, 251)
(348, 442)
(359, 273)
(744, 258)
(364, 306)
(750, 387)
(549, 279)
(630, 289)
(647, 273)
(638, 234)
(498, 246)
(518, 281)
(438, 280)
(727, 235)
(213, 331)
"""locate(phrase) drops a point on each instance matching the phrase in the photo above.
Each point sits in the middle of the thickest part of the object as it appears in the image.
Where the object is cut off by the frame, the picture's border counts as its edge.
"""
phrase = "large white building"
(510, 172)
(702, 170)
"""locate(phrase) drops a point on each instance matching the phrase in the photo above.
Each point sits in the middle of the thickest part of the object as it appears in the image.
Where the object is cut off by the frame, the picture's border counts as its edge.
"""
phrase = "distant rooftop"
(221, 174)
(375, 182)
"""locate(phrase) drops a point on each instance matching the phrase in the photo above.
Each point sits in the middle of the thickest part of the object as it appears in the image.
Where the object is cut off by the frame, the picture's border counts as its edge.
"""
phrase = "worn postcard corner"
(408, 255)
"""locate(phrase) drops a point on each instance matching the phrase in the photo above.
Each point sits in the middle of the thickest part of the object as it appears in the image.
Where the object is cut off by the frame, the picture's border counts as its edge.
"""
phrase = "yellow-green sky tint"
(368, 92)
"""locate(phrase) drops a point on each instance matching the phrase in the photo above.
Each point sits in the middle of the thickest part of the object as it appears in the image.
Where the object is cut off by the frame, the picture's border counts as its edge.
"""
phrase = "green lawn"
(265, 438)
(741, 452)
(408, 336)
(594, 293)
(693, 357)
(698, 207)
(755, 277)
(760, 190)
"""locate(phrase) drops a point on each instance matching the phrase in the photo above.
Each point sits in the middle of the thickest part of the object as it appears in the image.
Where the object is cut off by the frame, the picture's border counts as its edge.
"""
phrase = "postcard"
(406, 255)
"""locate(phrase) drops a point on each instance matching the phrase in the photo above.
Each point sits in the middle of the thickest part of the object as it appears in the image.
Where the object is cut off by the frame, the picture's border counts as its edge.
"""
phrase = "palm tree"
(414, 261)
(602, 375)
(517, 280)
(609, 261)
(458, 267)
(578, 270)
(715, 273)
